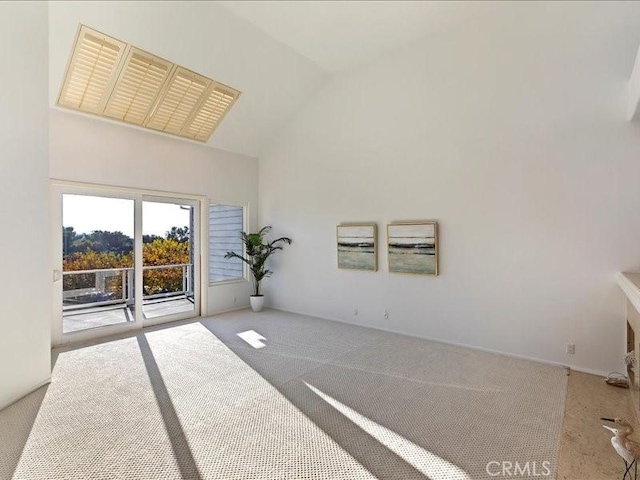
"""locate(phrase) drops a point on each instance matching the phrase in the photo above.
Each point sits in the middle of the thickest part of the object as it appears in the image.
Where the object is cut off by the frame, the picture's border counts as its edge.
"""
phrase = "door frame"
(197, 254)
(60, 187)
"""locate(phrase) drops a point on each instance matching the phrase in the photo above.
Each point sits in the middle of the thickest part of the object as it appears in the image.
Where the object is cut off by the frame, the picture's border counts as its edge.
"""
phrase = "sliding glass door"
(122, 260)
(168, 279)
(98, 262)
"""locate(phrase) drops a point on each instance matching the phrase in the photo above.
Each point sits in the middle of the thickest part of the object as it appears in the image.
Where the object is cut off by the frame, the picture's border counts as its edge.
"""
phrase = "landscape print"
(413, 248)
(357, 247)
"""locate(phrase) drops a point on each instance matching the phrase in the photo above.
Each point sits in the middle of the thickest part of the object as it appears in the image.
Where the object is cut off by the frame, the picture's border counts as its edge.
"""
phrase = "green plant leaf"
(257, 252)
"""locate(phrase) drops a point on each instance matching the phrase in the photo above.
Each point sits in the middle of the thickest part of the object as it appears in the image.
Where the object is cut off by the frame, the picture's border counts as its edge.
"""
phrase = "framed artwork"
(413, 247)
(357, 246)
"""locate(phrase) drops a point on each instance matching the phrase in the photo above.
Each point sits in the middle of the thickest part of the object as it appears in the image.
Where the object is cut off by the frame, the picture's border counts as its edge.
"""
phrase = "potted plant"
(256, 252)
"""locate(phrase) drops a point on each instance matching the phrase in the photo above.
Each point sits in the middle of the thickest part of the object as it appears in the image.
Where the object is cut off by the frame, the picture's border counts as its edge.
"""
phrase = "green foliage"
(155, 251)
(97, 241)
(256, 253)
(178, 234)
(164, 252)
(92, 260)
(150, 238)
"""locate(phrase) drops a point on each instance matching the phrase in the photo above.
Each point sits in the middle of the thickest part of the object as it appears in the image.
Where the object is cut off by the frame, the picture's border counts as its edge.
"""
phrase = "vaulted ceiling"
(343, 34)
(278, 54)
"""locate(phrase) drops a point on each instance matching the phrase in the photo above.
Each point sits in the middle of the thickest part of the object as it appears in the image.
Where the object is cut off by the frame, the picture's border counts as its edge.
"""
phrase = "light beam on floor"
(253, 338)
(428, 463)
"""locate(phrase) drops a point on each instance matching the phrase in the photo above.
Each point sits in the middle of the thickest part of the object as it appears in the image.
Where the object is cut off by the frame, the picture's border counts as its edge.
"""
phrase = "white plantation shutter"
(91, 71)
(210, 114)
(112, 79)
(183, 93)
(138, 86)
(225, 224)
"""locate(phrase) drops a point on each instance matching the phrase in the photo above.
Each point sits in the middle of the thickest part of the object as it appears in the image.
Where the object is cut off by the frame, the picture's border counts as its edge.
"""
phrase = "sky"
(86, 213)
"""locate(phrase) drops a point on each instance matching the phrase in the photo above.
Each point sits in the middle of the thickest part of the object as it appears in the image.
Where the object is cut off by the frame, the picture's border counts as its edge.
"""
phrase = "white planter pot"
(257, 302)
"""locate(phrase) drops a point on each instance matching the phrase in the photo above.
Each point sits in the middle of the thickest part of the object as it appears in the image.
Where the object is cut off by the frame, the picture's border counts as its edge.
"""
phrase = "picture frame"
(357, 246)
(412, 247)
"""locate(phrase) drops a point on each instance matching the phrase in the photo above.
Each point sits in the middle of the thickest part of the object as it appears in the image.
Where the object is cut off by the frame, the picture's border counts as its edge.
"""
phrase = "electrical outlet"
(571, 348)
(355, 312)
(386, 314)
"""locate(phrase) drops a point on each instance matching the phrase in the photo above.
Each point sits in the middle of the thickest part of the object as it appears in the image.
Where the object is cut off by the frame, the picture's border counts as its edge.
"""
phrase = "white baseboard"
(234, 309)
(590, 371)
(577, 368)
(33, 389)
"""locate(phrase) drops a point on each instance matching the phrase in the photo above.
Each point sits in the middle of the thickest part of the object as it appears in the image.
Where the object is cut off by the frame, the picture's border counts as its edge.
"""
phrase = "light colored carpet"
(313, 400)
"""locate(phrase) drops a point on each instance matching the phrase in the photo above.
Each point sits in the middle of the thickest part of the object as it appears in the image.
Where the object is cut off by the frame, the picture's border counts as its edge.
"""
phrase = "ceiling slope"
(339, 35)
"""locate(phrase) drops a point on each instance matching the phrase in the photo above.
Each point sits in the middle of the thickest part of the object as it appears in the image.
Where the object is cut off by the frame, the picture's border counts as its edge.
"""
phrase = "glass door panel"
(122, 260)
(98, 261)
(168, 268)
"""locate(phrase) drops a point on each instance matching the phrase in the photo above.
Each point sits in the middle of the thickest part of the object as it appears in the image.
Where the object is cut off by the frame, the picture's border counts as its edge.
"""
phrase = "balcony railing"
(104, 291)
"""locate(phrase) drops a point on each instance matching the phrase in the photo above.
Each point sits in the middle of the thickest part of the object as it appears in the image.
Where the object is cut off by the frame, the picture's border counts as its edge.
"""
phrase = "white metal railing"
(72, 298)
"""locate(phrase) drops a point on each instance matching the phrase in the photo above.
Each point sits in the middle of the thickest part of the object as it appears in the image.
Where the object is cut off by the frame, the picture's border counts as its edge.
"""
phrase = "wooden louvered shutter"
(138, 86)
(91, 71)
(178, 102)
(109, 78)
(218, 102)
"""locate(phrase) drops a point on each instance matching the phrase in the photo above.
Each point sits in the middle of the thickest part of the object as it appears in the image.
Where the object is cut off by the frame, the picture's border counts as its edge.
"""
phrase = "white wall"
(88, 150)
(24, 225)
(512, 135)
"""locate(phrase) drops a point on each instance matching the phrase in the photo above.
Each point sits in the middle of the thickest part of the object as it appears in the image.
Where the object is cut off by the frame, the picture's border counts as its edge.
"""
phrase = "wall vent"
(110, 78)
